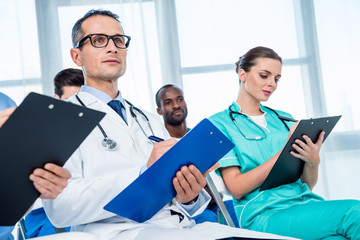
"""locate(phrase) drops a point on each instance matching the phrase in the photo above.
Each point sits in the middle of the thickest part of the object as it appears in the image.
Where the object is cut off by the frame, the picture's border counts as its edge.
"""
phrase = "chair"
(69, 236)
(21, 230)
(60, 234)
(223, 211)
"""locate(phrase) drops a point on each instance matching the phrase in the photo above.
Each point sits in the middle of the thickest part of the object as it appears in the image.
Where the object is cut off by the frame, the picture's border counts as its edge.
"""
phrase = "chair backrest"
(59, 230)
(21, 229)
(219, 200)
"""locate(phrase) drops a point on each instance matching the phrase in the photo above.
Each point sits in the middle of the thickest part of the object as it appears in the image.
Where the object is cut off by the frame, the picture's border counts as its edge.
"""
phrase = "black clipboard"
(41, 130)
(288, 168)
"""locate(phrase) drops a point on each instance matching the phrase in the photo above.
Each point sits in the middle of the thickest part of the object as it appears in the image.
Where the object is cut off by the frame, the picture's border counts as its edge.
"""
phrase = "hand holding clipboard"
(202, 147)
(41, 130)
(288, 168)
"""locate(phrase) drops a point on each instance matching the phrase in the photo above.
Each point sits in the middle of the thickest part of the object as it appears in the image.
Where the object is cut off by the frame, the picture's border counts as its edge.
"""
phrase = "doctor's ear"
(75, 54)
(158, 110)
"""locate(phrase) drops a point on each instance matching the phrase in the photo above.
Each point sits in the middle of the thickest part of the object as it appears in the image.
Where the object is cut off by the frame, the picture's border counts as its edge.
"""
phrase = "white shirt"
(260, 120)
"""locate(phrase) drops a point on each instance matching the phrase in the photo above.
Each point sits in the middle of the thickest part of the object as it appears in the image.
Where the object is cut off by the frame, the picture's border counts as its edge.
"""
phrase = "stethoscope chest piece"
(109, 144)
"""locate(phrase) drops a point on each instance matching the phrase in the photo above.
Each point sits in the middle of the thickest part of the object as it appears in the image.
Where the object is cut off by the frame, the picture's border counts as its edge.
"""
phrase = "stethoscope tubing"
(249, 119)
(132, 112)
(99, 126)
(231, 112)
(132, 108)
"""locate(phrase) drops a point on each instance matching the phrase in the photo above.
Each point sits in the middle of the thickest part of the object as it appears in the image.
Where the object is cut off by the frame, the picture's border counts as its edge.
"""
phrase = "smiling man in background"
(172, 107)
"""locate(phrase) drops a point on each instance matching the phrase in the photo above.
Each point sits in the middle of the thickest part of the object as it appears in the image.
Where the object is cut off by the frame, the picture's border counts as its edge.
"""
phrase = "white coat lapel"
(91, 101)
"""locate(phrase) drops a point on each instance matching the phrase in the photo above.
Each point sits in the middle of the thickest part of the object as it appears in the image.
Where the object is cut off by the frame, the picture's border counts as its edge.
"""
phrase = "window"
(337, 24)
(340, 58)
(142, 77)
(20, 62)
(212, 39)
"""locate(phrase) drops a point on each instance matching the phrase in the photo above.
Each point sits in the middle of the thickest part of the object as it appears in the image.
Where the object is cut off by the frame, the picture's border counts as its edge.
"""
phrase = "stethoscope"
(282, 119)
(132, 112)
(110, 144)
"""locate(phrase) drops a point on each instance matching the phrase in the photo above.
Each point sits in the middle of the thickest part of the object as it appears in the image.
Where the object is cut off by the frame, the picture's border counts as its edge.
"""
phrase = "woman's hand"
(309, 153)
(307, 150)
(292, 129)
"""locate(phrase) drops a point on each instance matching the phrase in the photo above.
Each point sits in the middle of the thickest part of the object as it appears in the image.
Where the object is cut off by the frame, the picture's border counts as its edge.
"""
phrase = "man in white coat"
(100, 170)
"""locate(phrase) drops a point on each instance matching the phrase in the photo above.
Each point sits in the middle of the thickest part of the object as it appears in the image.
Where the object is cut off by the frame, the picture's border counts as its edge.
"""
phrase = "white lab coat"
(98, 175)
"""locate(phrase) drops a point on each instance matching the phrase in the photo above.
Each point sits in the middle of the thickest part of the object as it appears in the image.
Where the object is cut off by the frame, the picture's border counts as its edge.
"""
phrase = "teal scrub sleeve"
(230, 159)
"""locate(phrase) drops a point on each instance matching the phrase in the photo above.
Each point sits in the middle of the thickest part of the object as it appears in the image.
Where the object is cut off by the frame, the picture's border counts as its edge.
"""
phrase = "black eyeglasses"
(102, 40)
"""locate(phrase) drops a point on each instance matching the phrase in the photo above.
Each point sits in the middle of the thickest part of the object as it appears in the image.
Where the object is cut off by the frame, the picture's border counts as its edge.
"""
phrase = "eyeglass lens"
(99, 40)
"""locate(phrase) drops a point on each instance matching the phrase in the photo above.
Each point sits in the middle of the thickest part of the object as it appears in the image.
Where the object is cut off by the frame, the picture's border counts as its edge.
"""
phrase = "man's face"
(108, 63)
(172, 106)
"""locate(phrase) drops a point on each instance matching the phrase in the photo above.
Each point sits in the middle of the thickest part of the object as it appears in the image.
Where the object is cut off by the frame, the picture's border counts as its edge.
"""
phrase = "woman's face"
(261, 81)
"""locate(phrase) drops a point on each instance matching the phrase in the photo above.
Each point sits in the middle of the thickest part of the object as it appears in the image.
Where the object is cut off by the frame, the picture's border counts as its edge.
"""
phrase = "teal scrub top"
(254, 208)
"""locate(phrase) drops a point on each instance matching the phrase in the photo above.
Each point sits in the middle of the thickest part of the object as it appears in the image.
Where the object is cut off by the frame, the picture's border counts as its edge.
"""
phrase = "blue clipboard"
(203, 146)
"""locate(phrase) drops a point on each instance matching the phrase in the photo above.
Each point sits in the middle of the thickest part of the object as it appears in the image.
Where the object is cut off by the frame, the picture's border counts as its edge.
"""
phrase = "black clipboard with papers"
(41, 130)
(288, 168)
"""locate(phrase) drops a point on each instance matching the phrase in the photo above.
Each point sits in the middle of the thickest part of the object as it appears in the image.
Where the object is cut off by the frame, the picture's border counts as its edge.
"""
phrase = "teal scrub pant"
(338, 219)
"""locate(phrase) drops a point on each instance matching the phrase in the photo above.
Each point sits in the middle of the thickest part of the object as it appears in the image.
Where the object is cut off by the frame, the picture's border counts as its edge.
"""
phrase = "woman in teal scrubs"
(259, 135)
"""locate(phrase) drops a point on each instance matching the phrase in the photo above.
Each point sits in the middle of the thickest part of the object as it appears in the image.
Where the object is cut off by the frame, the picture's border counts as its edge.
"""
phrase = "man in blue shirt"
(67, 83)
(171, 105)
(6, 102)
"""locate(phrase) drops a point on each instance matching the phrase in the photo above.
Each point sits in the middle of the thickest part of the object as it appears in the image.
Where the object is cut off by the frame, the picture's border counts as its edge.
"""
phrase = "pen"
(156, 139)
(287, 119)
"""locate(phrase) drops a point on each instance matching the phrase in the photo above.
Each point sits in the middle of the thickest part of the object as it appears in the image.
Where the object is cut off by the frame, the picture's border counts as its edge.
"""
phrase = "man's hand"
(50, 181)
(4, 115)
(189, 182)
(159, 149)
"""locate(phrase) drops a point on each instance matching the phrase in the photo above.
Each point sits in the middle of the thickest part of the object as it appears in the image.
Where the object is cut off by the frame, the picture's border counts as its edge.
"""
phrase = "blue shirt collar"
(101, 95)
